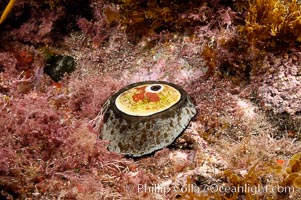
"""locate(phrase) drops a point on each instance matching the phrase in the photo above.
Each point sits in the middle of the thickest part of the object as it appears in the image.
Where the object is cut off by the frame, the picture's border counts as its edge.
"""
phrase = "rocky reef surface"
(61, 61)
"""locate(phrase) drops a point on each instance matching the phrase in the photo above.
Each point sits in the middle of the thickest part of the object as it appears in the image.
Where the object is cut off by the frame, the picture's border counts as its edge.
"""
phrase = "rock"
(58, 65)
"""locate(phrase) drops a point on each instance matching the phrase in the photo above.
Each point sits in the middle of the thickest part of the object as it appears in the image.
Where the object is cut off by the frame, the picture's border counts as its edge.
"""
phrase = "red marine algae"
(151, 97)
(138, 97)
(46, 149)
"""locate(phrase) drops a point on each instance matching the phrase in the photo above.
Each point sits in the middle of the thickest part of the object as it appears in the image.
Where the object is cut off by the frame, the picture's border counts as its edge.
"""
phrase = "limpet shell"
(146, 116)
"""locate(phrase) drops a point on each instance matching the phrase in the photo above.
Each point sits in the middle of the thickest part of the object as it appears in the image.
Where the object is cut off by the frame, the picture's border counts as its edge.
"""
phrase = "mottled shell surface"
(146, 116)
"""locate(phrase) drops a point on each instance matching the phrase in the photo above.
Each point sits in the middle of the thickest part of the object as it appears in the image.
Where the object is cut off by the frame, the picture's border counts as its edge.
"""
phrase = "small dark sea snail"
(146, 116)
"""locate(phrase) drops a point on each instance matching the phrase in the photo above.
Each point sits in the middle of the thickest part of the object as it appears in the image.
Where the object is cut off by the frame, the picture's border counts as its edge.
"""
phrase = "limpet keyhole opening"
(155, 87)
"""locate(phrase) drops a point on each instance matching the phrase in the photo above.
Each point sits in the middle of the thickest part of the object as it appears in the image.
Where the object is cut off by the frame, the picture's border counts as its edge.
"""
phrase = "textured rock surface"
(141, 135)
(58, 65)
(280, 91)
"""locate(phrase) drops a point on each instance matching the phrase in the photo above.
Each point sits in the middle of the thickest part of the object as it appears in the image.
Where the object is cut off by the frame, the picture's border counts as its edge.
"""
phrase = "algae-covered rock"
(58, 65)
(146, 116)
